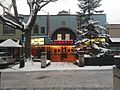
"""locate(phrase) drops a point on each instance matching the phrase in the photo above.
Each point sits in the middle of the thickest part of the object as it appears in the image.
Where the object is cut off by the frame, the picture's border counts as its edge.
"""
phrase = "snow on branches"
(89, 6)
(10, 5)
(94, 37)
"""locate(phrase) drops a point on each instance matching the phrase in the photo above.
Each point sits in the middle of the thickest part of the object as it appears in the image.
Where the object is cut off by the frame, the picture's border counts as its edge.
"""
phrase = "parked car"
(5, 58)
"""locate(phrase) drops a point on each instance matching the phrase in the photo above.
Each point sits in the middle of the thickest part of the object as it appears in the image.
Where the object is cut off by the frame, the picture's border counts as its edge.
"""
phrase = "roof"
(115, 39)
(9, 43)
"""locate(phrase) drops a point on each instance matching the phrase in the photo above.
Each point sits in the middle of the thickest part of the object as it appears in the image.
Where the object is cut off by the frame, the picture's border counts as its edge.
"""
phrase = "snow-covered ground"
(36, 66)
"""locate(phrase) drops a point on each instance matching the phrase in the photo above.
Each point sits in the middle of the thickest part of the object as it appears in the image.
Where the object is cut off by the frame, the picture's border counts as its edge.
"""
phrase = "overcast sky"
(110, 7)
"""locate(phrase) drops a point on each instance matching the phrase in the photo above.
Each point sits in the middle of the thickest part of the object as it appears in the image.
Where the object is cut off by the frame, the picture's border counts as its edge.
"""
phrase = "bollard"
(43, 59)
(81, 61)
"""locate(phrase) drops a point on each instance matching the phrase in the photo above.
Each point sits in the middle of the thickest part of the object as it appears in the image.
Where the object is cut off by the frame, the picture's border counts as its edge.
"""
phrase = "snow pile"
(96, 68)
(36, 66)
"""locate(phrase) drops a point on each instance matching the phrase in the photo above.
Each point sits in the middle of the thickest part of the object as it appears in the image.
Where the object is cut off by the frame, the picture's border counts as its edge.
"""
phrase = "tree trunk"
(28, 44)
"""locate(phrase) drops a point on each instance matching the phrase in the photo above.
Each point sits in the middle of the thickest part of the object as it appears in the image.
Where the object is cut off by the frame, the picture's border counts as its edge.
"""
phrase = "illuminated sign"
(37, 41)
(98, 40)
(63, 42)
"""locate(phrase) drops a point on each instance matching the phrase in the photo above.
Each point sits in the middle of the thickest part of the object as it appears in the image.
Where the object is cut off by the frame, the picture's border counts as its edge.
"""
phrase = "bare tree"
(13, 19)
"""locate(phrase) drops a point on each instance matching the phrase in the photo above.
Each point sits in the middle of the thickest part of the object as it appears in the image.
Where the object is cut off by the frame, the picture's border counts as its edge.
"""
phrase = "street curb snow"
(53, 66)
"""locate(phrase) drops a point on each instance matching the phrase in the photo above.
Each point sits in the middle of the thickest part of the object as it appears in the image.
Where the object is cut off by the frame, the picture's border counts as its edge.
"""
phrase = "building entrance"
(62, 54)
(55, 53)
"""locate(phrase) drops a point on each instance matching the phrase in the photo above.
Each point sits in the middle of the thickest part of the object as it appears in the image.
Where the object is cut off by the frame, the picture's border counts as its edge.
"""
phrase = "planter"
(117, 61)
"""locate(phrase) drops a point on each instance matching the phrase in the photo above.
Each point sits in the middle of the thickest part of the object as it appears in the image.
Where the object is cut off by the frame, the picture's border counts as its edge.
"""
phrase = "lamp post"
(22, 62)
(81, 52)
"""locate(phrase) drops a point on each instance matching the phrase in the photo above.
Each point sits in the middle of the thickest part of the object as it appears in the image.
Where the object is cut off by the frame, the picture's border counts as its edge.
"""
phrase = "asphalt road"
(58, 80)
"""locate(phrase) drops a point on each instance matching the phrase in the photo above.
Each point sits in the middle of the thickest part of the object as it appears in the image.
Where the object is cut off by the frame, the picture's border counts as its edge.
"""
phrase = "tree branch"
(15, 9)
(3, 6)
(9, 7)
(12, 23)
(45, 3)
(14, 18)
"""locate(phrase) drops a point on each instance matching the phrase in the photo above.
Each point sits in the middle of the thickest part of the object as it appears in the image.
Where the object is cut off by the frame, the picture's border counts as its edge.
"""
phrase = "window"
(59, 36)
(58, 50)
(67, 36)
(68, 50)
(42, 30)
(63, 23)
(55, 52)
(59, 53)
(36, 29)
(8, 30)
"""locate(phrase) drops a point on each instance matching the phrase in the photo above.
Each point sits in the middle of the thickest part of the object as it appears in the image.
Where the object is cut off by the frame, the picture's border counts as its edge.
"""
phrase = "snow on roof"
(115, 39)
(9, 43)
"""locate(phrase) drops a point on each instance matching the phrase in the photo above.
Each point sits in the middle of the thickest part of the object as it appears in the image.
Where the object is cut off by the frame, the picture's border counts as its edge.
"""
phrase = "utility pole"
(48, 21)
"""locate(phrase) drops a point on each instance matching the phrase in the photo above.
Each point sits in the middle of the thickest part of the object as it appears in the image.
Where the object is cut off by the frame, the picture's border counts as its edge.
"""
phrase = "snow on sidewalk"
(71, 66)
(36, 66)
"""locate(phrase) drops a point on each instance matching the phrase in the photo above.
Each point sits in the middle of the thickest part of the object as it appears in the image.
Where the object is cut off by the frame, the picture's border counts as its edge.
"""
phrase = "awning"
(115, 39)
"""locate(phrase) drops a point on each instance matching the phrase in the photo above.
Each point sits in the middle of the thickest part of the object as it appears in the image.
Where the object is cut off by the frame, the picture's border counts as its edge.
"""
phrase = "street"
(57, 80)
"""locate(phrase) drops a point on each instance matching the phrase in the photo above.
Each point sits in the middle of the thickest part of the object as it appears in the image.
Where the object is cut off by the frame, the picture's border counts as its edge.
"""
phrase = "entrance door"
(55, 53)
(62, 54)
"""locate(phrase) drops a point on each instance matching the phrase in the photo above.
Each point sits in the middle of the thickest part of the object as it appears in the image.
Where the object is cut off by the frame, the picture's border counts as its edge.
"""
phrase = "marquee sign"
(63, 42)
(37, 41)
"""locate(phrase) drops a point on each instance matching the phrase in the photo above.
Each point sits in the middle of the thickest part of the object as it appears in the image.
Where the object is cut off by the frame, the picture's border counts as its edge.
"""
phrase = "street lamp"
(22, 63)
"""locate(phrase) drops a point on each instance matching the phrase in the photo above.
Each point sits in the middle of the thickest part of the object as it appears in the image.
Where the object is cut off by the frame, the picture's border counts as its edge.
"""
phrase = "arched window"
(36, 29)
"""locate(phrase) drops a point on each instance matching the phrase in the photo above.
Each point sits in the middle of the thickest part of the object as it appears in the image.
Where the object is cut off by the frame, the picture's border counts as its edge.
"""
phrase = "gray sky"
(110, 7)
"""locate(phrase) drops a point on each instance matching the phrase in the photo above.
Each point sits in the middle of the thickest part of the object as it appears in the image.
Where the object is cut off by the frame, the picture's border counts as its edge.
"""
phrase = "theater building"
(56, 34)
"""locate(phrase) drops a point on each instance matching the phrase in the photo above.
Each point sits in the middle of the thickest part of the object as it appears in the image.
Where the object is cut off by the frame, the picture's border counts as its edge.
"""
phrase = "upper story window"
(36, 29)
(7, 30)
(59, 36)
(67, 36)
(63, 23)
(42, 30)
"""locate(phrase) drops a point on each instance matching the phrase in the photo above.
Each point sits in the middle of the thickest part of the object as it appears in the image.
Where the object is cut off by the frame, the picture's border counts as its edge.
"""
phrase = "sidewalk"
(53, 79)
(36, 66)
